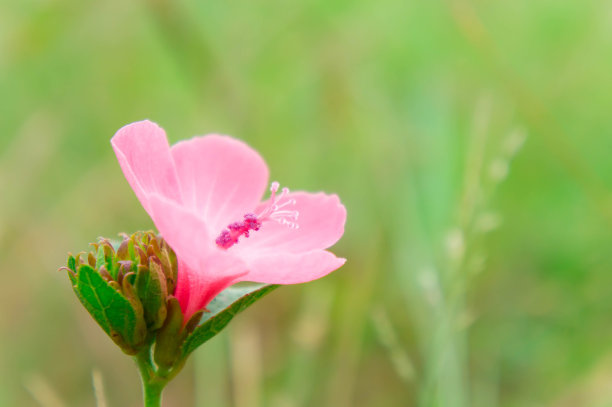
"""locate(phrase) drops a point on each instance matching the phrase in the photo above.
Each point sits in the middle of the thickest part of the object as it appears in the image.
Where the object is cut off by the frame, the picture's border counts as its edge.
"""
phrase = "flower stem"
(152, 393)
(152, 383)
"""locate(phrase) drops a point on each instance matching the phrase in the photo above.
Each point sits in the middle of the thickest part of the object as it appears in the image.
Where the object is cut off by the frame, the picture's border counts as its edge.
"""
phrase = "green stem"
(152, 393)
(152, 383)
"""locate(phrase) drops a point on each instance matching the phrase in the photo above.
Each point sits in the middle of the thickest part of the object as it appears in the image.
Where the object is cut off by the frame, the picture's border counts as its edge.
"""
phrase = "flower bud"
(126, 287)
(171, 336)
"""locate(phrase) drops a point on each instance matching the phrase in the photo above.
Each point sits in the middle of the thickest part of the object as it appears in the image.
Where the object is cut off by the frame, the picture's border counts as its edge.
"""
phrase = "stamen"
(230, 236)
(274, 212)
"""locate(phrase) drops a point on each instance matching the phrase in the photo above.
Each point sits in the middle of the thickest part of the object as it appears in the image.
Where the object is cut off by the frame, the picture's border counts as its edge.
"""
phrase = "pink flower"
(204, 196)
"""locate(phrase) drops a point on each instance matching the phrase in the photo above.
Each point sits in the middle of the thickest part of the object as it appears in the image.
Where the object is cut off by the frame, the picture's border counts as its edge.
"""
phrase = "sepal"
(171, 336)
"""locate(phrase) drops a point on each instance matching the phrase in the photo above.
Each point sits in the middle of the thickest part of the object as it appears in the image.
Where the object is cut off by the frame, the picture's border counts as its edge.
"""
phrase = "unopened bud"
(126, 289)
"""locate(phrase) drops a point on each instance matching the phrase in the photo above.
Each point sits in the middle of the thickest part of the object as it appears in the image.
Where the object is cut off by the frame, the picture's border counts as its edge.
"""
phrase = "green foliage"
(221, 310)
(118, 316)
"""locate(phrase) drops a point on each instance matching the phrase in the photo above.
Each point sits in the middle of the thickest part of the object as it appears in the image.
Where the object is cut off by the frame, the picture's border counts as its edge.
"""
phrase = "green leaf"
(222, 309)
(72, 263)
(111, 310)
(72, 270)
(151, 289)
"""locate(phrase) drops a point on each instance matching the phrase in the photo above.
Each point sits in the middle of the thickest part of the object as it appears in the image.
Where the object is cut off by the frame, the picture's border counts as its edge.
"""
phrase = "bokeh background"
(469, 140)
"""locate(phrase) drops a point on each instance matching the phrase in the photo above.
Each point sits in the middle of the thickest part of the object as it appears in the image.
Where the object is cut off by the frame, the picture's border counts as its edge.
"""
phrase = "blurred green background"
(469, 140)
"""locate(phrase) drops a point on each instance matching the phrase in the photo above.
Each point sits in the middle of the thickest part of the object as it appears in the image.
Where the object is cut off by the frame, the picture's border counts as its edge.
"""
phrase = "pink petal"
(144, 156)
(221, 178)
(321, 224)
(204, 269)
(291, 268)
(184, 231)
(196, 288)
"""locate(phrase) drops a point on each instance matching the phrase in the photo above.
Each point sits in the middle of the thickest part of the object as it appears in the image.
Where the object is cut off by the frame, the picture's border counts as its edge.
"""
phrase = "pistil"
(277, 211)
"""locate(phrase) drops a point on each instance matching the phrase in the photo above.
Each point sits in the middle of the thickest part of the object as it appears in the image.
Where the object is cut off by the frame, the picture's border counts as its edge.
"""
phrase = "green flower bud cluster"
(127, 288)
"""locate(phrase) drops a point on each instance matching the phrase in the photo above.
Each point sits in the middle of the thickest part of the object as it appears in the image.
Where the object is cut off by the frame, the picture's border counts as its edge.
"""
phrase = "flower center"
(277, 210)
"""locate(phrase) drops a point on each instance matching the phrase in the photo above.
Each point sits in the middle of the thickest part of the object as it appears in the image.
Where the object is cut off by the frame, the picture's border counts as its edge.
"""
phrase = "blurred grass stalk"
(446, 382)
(397, 354)
(443, 285)
(98, 386)
(42, 392)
